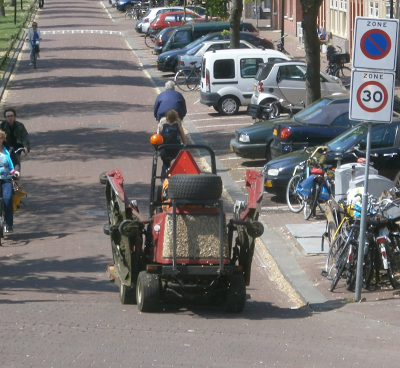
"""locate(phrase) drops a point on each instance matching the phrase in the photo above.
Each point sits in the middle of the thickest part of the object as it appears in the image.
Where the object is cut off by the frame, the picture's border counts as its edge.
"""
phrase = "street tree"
(312, 48)
(234, 19)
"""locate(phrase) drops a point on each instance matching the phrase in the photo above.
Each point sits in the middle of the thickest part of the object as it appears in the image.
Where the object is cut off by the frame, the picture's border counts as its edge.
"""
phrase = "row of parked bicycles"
(313, 186)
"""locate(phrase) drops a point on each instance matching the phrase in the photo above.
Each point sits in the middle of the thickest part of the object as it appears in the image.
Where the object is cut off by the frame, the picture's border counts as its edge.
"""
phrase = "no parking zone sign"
(375, 43)
(371, 97)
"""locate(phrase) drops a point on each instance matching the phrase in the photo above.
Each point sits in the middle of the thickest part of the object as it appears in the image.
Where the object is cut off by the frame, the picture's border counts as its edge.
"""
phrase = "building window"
(373, 9)
(338, 15)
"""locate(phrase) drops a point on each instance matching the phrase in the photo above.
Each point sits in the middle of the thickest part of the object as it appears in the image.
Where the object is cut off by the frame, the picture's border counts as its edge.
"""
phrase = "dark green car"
(254, 141)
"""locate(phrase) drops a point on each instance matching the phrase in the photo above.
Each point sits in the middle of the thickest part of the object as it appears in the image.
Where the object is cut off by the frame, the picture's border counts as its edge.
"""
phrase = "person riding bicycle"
(33, 36)
(9, 166)
(169, 99)
(16, 133)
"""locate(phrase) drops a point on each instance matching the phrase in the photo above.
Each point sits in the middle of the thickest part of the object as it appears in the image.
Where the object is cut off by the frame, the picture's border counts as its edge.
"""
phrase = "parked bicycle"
(336, 60)
(187, 79)
(312, 181)
(381, 248)
(134, 12)
(279, 45)
(150, 39)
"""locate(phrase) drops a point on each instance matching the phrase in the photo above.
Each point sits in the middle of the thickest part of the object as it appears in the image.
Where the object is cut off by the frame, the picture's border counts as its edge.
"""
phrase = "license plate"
(275, 131)
(268, 184)
(255, 88)
(156, 63)
(231, 148)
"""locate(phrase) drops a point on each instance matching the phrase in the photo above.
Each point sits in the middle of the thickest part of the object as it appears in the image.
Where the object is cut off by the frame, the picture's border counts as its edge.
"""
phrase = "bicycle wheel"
(344, 74)
(149, 40)
(34, 59)
(129, 15)
(311, 202)
(294, 200)
(181, 80)
(342, 261)
(393, 266)
(331, 257)
(192, 80)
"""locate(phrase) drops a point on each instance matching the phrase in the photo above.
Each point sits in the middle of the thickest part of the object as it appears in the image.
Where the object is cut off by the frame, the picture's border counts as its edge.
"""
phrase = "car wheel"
(215, 108)
(228, 105)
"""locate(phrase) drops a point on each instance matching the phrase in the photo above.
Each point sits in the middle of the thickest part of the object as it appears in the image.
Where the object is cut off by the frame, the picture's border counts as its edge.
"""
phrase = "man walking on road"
(169, 99)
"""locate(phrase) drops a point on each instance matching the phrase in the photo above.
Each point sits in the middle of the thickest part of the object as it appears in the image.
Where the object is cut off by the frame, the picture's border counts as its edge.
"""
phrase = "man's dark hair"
(10, 109)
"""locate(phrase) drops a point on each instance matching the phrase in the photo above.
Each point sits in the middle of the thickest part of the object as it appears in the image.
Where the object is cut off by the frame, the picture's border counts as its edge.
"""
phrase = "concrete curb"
(11, 65)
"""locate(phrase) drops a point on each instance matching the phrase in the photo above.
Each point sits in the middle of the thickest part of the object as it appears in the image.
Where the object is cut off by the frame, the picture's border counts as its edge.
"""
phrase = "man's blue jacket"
(169, 99)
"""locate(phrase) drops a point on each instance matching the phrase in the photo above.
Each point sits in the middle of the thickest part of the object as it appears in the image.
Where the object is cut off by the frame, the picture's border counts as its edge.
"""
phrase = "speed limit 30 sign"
(371, 97)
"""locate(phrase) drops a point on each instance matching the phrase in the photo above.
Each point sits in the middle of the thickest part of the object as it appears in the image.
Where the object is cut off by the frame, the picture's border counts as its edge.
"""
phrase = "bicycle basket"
(341, 58)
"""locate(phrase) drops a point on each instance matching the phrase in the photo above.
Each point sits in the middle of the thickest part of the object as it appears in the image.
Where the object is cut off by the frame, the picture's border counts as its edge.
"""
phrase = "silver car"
(196, 53)
(286, 80)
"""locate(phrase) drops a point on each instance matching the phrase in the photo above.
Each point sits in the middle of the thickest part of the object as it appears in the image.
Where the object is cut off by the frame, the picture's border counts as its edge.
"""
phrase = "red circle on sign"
(385, 96)
(384, 52)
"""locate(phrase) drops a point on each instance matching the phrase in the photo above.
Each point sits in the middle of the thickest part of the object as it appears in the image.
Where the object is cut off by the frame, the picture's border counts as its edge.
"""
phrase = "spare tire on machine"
(202, 186)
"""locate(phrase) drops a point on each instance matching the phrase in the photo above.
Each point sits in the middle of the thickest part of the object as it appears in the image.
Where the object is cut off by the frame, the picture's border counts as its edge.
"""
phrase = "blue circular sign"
(375, 44)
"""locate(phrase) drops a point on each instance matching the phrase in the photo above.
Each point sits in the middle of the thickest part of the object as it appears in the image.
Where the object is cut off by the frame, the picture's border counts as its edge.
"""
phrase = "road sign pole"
(363, 225)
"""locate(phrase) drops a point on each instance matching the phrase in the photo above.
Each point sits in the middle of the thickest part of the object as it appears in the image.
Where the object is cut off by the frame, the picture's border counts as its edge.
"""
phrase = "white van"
(227, 77)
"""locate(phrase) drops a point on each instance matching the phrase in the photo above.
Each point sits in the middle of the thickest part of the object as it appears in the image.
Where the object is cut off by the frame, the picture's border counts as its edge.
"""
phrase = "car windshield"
(195, 43)
(194, 49)
(345, 140)
(311, 111)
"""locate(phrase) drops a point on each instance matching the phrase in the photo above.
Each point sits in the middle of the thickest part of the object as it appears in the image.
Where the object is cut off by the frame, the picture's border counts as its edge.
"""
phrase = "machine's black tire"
(148, 292)
(235, 294)
(127, 294)
(203, 186)
(103, 178)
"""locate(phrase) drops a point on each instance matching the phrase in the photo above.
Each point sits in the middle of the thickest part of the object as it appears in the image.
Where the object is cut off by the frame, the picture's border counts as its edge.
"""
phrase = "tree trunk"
(12, 2)
(2, 11)
(234, 19)
(312, 49)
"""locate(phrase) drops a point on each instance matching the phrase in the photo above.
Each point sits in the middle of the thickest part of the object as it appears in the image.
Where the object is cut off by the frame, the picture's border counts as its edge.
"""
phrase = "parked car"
(286, 81)
(385, 154)
(197, 9)
(196, 53)
(170, 19)
(254, 141)
(227, 77)
(152, 14)
(168, 61)
(313, 129)
(138, 27)
(124, 5)
(161, 39)
(188, 33)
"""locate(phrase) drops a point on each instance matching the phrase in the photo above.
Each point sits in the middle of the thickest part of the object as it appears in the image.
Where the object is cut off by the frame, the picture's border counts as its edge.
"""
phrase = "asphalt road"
(88, 108)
